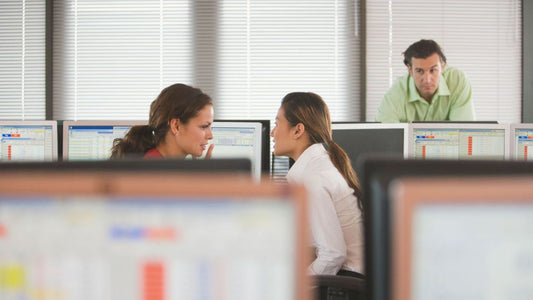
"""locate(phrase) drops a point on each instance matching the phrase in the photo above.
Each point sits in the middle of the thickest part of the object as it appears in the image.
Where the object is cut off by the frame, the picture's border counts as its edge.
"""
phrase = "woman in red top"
(179, 125)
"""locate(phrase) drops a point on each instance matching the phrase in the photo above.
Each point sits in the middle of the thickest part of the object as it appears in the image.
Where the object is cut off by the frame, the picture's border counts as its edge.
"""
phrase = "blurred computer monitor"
(521, 141)
(109, 233)
(28, 141)
(93, 140)
(376, 179)
(462, 238)
(459, 141)
(360, 140)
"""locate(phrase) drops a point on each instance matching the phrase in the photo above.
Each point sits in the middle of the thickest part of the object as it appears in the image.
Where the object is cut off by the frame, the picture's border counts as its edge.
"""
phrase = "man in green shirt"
(431, 91)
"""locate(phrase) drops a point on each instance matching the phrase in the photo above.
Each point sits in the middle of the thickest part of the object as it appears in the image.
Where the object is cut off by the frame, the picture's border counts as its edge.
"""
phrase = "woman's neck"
(169, 149)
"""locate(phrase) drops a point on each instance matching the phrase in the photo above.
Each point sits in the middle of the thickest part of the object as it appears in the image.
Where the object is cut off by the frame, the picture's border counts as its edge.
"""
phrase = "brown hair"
(422, 49)
(310, 110)
(178, 101)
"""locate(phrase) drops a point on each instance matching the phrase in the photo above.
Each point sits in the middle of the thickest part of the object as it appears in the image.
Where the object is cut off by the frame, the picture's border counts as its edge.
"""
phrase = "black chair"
(338, 287)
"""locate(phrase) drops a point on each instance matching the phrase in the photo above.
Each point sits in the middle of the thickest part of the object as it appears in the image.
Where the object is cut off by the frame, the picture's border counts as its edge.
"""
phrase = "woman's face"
(192, 138)
(283, 143)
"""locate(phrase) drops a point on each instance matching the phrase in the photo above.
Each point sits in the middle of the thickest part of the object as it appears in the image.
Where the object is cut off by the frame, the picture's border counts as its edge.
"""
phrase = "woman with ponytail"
(179, 125)
(303, 132)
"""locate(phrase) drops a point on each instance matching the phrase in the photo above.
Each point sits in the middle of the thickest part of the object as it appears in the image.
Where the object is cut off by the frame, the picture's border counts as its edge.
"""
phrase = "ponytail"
(137, 141)
(342, 162)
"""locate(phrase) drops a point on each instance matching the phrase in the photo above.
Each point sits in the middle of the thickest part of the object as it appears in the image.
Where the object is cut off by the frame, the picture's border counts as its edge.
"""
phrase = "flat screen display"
(28, 141)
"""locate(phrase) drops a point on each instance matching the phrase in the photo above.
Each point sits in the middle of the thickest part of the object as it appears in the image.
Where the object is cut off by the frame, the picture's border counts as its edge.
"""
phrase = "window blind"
(112, 58)
(268, 48)
(22, 60)
(480, 37)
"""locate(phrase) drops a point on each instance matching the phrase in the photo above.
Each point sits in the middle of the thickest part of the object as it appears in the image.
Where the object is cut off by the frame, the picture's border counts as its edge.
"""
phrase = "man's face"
(426, 73)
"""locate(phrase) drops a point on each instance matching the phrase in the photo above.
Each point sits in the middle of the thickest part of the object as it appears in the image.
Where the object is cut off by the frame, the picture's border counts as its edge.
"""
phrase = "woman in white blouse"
(303, 132)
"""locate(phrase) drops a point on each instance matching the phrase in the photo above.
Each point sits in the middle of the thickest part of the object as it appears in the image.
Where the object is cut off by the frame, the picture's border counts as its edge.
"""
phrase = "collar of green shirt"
(442, 90)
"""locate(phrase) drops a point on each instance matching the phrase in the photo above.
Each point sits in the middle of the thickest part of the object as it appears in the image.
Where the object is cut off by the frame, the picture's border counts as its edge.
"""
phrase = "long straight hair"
(310, 110)
(178, 101)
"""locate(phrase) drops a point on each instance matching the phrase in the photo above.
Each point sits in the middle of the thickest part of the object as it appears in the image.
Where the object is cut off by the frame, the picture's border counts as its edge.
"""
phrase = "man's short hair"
(422, 49)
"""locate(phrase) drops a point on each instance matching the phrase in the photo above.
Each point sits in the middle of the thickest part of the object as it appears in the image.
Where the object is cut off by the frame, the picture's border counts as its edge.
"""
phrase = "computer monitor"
(93, 140)
(265, 141)
(239, 140)
(360, 140)
(458, 141)
(472, 241)
(376, 179)
(108, 234)
(28, 141)
(521, 141)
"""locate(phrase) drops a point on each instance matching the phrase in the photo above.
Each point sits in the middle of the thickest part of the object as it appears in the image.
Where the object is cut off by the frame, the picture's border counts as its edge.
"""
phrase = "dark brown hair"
(310, 110)
(178, 101)
(422, 49)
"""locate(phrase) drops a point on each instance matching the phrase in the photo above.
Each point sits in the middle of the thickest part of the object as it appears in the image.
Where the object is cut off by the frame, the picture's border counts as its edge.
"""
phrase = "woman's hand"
(209, 150)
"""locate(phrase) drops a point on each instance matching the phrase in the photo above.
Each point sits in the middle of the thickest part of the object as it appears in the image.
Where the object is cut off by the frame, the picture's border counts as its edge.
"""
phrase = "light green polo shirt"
(451, 102)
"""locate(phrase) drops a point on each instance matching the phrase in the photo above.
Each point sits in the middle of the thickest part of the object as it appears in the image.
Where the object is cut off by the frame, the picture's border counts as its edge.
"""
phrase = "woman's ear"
(299, 130)
(174, 126)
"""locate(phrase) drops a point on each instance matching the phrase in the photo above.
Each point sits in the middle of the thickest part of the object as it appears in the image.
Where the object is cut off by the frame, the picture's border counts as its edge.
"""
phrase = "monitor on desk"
(359, 140)
(239, 140)
(521, 141)
(377, 178)
(472, 241)
(459, 141)
(265, 140)
(28, 141)
(115, 234)
(93, 140)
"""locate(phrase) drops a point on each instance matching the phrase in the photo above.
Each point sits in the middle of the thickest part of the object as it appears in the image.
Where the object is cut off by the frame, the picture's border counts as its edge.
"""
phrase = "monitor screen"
(28, 141)
(521, 140)
(93, 140)
(238, 140)
(265, 141)
(472, 241)
(379, 174)
(458, 141)
(364, 139)
(138, 235)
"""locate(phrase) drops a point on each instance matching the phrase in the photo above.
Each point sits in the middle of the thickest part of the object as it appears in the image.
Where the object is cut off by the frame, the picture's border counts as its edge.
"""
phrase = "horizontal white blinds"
(22, 59)
(112, 58)
(272, 47)
(480, 37)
